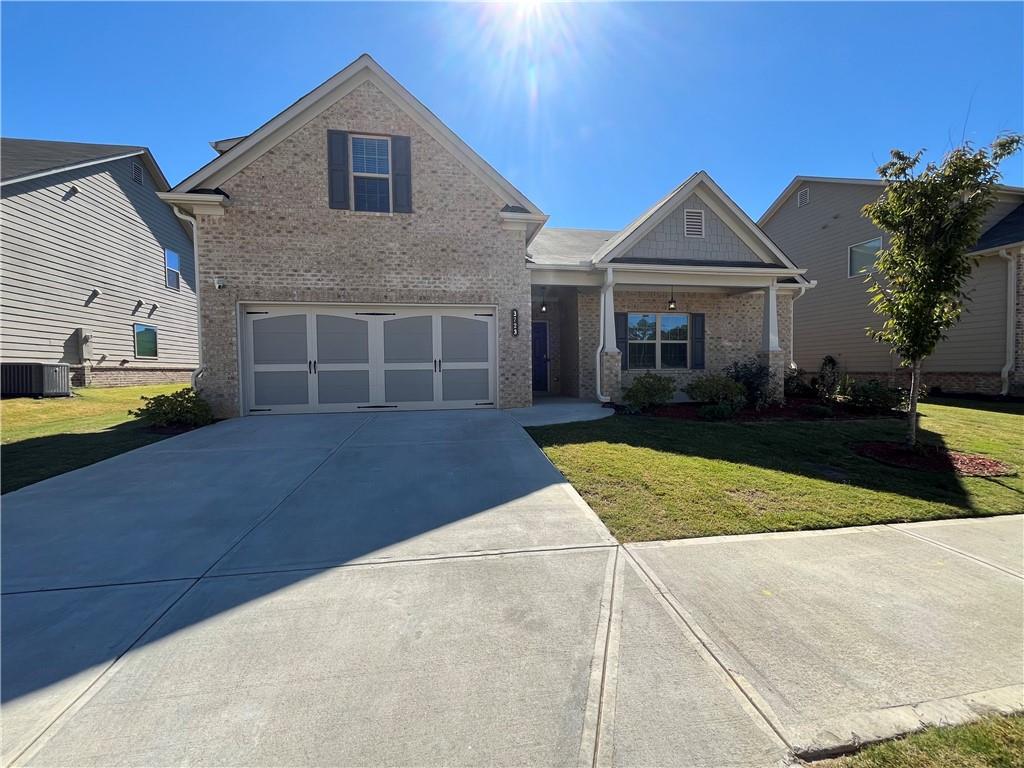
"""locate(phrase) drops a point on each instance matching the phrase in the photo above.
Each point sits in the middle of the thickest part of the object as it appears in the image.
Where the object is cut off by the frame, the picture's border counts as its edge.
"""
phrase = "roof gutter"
(782, 271)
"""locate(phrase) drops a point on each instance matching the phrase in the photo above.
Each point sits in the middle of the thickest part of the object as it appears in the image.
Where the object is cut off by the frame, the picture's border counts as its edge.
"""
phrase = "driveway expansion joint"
(948, 548)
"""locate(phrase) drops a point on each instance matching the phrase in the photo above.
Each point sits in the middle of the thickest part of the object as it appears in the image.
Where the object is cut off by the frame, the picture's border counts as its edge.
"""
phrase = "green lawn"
(996, 742)
(656, 478)
(43, 438)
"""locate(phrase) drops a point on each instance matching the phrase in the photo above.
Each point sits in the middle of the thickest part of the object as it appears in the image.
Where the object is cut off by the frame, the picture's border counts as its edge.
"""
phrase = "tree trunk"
(915, 385)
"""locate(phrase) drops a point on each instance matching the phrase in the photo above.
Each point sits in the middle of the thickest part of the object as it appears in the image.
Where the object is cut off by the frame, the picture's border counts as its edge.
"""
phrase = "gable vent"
(803, 197)
(137, 175)
(693, 223)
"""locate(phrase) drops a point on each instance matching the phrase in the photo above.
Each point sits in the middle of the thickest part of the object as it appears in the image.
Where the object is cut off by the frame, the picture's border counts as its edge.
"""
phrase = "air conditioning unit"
(35, 379)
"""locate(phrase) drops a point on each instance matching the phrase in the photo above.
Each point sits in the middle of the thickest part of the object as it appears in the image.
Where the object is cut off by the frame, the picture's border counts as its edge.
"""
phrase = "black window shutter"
(337, 170)
(697, 341)
(401, 173)
(620, 337)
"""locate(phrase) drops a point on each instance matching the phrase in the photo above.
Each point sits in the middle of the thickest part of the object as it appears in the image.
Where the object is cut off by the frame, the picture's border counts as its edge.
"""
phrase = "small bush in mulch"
(932, 458)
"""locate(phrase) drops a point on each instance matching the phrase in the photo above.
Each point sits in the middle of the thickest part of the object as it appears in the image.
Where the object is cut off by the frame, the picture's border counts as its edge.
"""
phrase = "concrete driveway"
(425, 589)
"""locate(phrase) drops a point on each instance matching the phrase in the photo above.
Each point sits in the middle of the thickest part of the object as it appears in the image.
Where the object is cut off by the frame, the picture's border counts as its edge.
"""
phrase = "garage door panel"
(468, 384)
(280, 340)
(280, 388)
(402, 386)
(409, 340)
(342, 339)
(464, 339)
(343, 387)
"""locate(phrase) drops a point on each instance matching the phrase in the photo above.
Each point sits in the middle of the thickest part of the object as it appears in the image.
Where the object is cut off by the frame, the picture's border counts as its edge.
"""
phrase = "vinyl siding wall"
(110, 235)
(832, 318)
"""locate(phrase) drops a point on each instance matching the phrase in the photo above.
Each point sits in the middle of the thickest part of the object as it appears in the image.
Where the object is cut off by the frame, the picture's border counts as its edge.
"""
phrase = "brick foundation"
(89, 376)
(961, 382)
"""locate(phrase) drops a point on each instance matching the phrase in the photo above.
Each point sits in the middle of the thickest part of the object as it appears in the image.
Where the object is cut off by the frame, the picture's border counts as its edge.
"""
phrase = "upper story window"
(862, 256)
(172, 269)
(693, 222)
(371, 174)
(657, 340)
(145, 340)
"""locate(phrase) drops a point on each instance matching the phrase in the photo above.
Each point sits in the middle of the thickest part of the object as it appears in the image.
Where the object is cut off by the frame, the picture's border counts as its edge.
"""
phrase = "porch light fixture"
(544, 301)
(672, 300)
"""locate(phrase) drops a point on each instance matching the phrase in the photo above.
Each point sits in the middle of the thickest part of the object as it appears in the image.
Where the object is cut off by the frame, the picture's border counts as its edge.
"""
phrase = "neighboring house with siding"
(358, 256)
(96, 270)
(818, 222)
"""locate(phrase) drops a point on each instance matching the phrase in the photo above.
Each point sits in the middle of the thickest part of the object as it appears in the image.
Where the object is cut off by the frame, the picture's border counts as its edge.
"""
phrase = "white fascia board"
(195, 203)
(74, 167)
(568, 276)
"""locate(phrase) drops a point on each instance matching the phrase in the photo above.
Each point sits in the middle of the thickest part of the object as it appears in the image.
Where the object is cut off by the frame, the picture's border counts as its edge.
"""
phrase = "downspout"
(1011, 315)
(601, 327)
(792, 326)
(200, 369)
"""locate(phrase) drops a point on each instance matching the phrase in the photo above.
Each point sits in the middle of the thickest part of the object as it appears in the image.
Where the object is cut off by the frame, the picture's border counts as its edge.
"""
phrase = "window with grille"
(371, 174)
(657, 340)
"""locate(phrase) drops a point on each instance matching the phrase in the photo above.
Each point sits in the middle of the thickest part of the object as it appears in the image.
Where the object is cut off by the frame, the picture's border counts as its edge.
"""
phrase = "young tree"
(932, 219)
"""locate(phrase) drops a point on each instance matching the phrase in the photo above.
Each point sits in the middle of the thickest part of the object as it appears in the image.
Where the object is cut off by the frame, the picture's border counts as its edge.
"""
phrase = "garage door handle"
(309, 363)
(314, 366)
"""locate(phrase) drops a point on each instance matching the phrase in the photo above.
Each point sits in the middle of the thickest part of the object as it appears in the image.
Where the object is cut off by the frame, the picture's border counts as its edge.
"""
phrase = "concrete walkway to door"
(402, 589)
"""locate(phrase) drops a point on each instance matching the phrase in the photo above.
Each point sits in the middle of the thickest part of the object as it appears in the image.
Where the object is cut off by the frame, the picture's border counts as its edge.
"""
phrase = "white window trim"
(167, 269)
(703, 231)
(849, 256)
(135, 342)
(352, 175)
(658, 341)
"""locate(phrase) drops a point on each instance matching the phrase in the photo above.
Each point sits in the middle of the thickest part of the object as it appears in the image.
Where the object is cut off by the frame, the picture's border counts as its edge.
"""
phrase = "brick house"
(355, 254)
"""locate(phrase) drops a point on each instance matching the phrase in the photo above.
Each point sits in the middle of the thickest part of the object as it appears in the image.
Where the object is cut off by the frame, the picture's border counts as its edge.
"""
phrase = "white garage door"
(300, 358)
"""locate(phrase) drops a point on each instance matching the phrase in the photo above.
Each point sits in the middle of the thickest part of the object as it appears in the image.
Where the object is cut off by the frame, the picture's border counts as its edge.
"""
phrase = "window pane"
(369, 155)
(673, 355)
(862, 256)
(172, 261)
(372, 194)
(641, 355)
(145, 340)
(642, 327)
(173, 279)
(674, 327)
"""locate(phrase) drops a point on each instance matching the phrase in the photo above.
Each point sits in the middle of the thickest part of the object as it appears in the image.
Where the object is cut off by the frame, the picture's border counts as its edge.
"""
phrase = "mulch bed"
(930, 458)
(795, 409)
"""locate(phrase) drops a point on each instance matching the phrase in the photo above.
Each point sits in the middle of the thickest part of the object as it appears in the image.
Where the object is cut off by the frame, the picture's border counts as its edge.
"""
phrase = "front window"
(862, 256)
(145, 340)
(172, 269)
(657, 340)
(371, 174)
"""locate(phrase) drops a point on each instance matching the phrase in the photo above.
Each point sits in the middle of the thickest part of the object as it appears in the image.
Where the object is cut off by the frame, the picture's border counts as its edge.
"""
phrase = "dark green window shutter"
(337, 170)
(697, 341)
(621, 321)
(401, 173)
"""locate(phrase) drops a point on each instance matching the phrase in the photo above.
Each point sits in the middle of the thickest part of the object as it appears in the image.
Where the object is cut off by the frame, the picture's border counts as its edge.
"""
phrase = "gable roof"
(25, 159)
(1008, 231)
(363, 69)
(702, 185)
(800, 180)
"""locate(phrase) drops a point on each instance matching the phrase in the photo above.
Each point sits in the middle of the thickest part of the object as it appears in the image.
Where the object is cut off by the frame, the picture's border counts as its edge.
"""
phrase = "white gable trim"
(147, 159)
(364, 69)
(704, 187)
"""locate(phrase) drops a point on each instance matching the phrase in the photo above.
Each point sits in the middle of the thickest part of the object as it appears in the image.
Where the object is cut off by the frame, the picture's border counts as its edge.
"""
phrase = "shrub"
(793, 385)
(183, 408)
(757, 380)
(717, 411)
(719, 391)
(828, 380)
(874, 397)
(815, 411)
(647, 391)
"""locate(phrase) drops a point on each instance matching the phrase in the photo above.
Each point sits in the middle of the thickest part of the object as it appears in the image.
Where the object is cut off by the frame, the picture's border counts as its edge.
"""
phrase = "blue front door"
(540, 357)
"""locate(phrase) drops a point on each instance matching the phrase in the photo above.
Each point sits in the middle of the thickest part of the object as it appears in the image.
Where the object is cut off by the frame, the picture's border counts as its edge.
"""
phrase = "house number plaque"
(515, 322)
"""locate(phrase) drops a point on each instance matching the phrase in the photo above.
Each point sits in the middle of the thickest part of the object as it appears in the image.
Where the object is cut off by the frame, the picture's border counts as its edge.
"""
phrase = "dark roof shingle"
(1010, 229)
(24, 157)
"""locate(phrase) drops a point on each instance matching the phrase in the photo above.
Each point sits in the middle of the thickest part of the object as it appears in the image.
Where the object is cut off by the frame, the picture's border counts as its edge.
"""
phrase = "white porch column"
(770, 324)
(608, 308)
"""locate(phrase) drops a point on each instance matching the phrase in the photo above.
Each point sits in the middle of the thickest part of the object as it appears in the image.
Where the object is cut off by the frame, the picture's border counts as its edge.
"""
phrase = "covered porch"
(595, 331)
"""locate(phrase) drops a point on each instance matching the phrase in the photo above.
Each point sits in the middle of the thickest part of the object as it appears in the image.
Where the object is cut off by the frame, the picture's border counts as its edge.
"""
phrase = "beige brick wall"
(1017, 375)
(93, 376)
(280, 242)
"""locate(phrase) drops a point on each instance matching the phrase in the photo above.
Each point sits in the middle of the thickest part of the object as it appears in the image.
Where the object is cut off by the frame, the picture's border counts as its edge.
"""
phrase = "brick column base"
(611, 375)
(777, 362)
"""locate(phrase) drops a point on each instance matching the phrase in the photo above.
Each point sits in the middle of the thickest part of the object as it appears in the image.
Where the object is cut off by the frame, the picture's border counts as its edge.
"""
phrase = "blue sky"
(593, 111)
